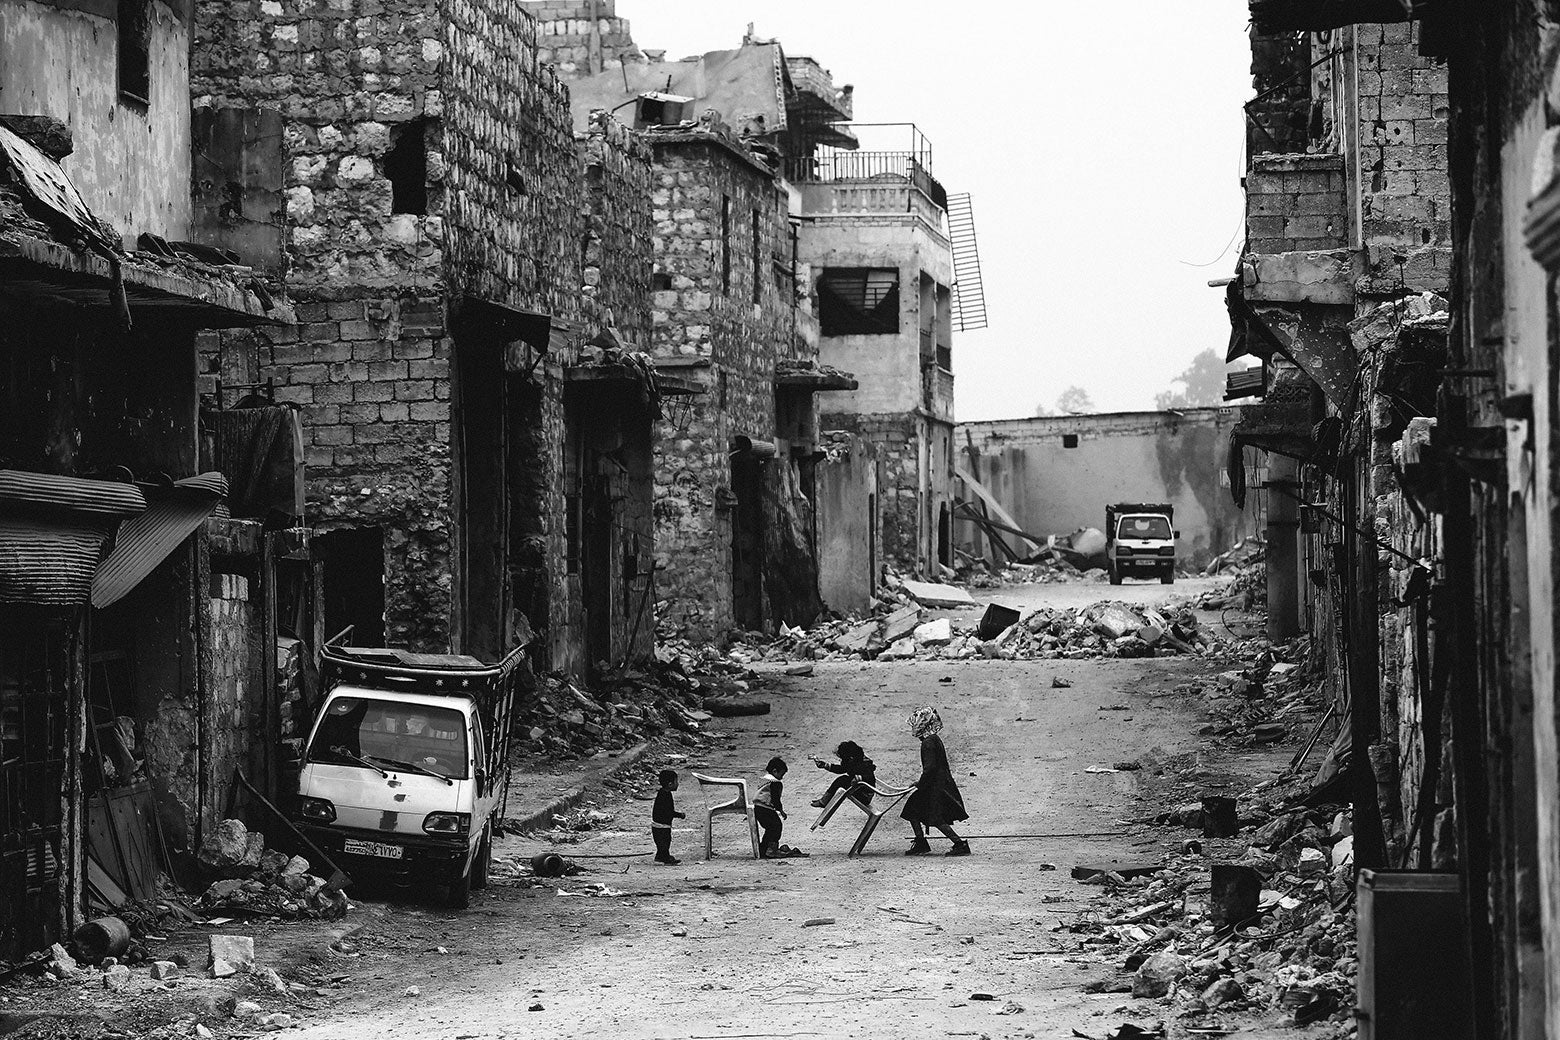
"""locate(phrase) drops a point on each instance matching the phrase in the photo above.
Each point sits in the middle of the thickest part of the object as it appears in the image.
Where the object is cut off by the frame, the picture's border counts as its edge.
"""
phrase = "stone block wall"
(717, 300)
(582, 36)
(897, 442)
(1296, 202)
(1405, 193)
(618, 252)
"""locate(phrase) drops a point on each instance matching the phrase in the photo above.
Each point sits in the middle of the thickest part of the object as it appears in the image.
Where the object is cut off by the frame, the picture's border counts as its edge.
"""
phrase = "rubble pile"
(1262, 702)
(979, 574)
(1249, 589)
(252, 879)
(561, 718)
(1272, 928)
(1106, 629)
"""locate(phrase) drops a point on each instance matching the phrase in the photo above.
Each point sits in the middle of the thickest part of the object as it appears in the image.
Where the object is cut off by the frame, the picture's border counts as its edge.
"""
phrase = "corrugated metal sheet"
(49, 563)
(35, 493)
(52, 532)
(148, 539)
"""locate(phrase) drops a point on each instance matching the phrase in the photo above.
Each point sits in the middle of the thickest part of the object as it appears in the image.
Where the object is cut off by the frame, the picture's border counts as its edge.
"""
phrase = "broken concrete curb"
(542, 817)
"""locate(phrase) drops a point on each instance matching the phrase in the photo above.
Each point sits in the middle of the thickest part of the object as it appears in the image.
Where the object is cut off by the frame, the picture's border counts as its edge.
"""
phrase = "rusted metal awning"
(52, 533)
(533, 328)
(150, 538)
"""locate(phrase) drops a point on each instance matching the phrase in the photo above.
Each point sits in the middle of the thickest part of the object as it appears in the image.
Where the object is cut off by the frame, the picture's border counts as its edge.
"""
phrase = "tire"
(459, 894)
(480, 864)
(1115, 576)
(1167, 578)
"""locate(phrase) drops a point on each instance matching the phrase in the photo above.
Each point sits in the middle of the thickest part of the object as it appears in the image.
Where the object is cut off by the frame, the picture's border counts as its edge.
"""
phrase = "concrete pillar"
(1283, 548)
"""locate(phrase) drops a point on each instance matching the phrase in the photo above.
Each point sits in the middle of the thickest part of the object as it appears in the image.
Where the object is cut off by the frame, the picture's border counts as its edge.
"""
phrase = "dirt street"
(724, 948)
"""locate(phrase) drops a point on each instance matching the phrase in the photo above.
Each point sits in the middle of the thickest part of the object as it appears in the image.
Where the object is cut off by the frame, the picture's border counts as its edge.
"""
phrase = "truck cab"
(405, 764)
(1140, 541)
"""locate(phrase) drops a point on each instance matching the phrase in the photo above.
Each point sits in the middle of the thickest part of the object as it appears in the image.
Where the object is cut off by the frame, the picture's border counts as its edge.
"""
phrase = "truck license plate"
(373, 848)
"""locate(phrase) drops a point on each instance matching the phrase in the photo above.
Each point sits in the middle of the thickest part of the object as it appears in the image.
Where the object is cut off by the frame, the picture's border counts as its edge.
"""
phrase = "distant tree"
(1202, 384)
(1075, 400)
(1042, 410)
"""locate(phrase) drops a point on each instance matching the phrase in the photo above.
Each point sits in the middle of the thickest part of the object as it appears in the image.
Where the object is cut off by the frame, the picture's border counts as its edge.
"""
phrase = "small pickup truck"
(405, 763)
(1140, 541)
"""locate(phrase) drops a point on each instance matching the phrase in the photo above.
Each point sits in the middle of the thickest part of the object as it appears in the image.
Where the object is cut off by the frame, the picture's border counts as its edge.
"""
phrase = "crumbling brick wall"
(618, 253)
(1296, 202)
(376, 290)
(717, 301)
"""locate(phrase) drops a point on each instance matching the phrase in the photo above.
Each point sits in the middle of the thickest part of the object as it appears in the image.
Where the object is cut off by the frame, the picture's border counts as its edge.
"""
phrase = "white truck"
(405, 764)
(1140, 541)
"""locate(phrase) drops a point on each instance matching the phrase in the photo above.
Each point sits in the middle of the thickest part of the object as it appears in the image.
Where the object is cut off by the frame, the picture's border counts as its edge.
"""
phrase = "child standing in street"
(855, 768)
(767, 808)
(936, 801)
(661, 816)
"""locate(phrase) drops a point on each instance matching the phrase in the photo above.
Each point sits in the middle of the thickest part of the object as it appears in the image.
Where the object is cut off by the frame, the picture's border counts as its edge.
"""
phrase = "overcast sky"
(1102, 148)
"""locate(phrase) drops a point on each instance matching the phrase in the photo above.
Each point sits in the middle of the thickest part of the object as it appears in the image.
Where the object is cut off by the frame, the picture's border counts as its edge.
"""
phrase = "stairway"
(969, 295)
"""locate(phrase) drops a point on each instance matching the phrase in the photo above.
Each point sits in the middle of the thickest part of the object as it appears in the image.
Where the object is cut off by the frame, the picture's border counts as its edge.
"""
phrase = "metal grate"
(969, 293)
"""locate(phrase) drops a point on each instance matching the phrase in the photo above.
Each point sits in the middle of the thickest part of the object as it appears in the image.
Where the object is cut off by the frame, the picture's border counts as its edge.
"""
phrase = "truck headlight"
(320, 810)
(1167, 550)
(447, 823)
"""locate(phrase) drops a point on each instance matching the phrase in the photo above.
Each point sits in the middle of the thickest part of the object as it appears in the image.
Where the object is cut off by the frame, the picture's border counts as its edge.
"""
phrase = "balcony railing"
(829, 165)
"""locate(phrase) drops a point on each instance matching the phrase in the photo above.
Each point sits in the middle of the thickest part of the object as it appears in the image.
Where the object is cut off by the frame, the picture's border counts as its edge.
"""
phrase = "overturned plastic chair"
(884, 801)
(740, 804)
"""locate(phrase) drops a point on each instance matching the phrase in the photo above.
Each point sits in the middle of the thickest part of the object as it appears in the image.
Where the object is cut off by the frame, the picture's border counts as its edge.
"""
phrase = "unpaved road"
(911, 938)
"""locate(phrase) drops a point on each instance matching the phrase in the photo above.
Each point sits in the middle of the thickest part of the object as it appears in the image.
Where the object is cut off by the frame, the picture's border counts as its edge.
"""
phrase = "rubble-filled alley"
(490, 543)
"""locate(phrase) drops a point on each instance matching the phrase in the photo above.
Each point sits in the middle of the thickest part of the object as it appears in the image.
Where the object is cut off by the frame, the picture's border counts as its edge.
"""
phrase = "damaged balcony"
(814, 98)
(889, 172)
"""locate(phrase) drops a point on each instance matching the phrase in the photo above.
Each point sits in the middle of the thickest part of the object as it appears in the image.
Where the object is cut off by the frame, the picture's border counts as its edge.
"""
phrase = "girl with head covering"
(936, 801)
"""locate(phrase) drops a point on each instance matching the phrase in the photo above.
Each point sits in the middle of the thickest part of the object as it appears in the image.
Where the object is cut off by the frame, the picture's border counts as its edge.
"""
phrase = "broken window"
(135, 50)
(406, 164)
(858, 301)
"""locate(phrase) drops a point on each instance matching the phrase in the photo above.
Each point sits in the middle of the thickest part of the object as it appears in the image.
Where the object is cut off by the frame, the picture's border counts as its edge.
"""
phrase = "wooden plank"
(991, 503)
(106, 894)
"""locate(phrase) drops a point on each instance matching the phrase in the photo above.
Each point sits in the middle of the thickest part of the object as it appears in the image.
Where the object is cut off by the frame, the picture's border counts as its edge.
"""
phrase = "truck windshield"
(392, 734)
(1143, 527)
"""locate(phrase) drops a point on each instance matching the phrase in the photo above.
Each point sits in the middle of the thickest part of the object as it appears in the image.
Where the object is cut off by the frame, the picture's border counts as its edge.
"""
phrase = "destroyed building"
(1397, 285)
(1054, 474)
(142, 601)
(738, 461)
(471, 279)
(753, 298)
(881, 236)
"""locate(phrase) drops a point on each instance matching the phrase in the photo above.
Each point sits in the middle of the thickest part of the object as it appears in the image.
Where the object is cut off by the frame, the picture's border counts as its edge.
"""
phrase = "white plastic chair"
(740, 804)
(884, 800)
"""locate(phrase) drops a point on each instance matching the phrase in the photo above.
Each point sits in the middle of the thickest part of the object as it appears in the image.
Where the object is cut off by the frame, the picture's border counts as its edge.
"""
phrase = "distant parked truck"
(1140, 541)
(405, 764)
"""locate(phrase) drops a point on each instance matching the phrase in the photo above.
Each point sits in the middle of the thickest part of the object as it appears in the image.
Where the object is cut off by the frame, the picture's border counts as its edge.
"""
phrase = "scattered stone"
(1124, 869)
(934, 633)
(1222, 992)
(246, 1009)
(411, 991)
(1313, 862)
(162, 970)
(275, 1021)
(61, 964)
(813, 922)
(235, 953)
(799, 670)
(900, 624)
(1158, 974)
(117, 979)
(1058, 683)
(933, 594)
(225, 846)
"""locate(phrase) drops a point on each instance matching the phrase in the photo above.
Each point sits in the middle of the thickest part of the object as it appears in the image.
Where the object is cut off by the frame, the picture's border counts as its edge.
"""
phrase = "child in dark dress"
(661, 816)
(936, 801)
(855, 768)
(767, 808)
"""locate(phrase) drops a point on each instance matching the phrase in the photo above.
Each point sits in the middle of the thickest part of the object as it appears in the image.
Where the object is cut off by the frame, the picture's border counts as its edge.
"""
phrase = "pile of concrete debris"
(1106, 629)
(562, 718)
(254, 880)
(1249, 589)
(1269, 928)
(978, 574)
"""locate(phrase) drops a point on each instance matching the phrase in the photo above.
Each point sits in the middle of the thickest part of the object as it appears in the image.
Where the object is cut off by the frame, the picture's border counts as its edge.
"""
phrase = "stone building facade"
(1418, 320)
(426, 201)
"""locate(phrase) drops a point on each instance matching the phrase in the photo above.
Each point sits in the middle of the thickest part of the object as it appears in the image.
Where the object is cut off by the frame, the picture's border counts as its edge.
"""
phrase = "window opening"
(135, 50)
(757, 255)
(1069, 440)
(858, 301)
(406, 164)
(725, 244)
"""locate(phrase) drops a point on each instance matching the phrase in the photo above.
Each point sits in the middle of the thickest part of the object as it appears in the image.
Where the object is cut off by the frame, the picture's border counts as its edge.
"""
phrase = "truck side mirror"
(1176, 533)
